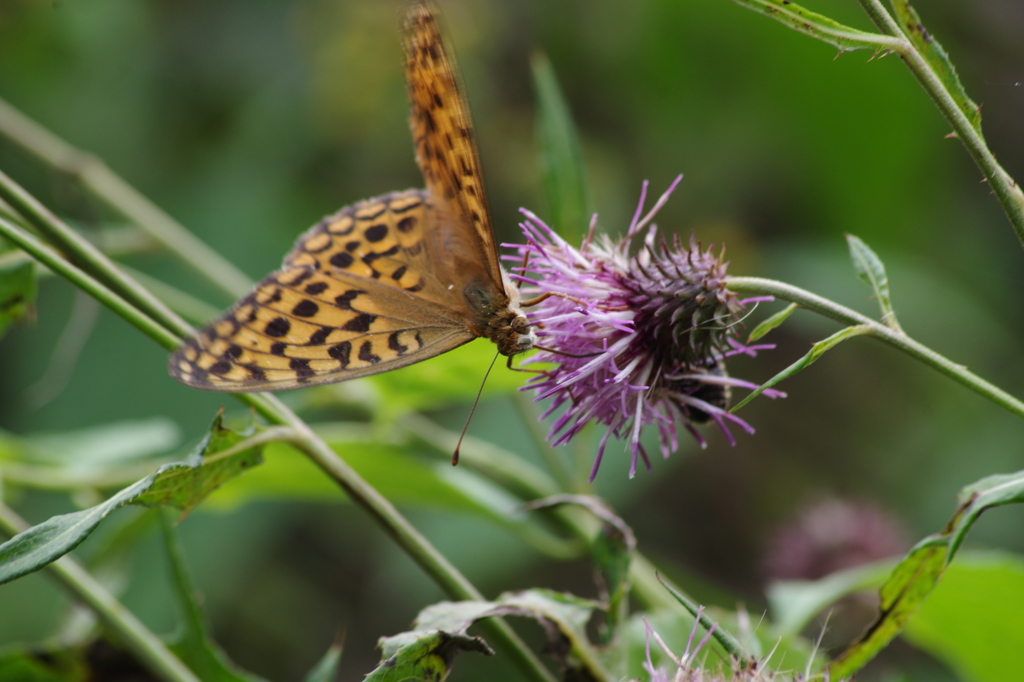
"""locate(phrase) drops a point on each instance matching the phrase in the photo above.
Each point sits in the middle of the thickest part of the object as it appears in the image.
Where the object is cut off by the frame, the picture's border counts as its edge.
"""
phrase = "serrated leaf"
(611, 551)
(972, 622)
(17, 290)
(771, 323)
(563, 616)
(813, 24)
(563, 173)
(183, 485)
(932, 52)
(426, 658)
(194, 645)
(871, 271)
(916, 576)
(817, 350)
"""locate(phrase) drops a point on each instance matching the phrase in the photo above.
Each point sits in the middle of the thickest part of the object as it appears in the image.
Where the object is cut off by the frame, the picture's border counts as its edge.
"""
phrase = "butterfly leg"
(520, 369)
(548, 294)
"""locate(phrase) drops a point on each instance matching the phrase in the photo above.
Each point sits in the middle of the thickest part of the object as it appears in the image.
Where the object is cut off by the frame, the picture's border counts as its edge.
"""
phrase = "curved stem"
(839, 313)
(110, 188)
(143, 643)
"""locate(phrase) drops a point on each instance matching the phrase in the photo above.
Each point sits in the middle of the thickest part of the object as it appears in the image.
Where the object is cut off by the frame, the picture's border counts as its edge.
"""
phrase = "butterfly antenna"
(455, 455)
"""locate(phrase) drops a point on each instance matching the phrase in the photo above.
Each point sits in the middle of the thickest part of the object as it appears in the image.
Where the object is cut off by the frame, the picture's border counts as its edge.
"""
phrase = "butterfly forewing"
(442, 131)
(356, 296)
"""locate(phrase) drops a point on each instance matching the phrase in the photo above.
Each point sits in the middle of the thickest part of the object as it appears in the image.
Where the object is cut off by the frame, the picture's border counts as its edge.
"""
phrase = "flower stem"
(839, 313)
(1006, 189)
(144, 644)
(111, 189)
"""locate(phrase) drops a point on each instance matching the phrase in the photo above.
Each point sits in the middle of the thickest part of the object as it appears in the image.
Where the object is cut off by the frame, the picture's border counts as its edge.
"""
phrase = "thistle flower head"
(639, 330)
(687, 667)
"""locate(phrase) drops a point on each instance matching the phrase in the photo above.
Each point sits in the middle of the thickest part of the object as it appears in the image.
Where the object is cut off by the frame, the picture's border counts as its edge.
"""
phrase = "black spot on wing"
(375, 233)
(342, 260)
(319, 336)
(305, 308)
(366, 353)
(359, 323)
(341, 352)
(278, 327)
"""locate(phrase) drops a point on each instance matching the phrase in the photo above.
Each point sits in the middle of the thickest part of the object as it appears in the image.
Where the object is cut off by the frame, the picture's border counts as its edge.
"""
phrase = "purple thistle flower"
(648, 325)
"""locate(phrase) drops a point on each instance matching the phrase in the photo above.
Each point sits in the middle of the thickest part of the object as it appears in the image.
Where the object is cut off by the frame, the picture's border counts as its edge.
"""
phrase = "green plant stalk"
(832, 310)
(87, 257)
(110, 188)
(146, 646)
(57, 264)
(399, 528)
(1006, 189)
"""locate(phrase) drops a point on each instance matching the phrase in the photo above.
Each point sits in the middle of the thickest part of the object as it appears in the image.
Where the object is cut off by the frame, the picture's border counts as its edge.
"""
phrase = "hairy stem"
(148, 649)
(839, 313)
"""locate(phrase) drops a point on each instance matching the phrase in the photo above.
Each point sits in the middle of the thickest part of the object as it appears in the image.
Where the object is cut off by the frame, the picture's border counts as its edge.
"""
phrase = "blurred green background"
(249, 120)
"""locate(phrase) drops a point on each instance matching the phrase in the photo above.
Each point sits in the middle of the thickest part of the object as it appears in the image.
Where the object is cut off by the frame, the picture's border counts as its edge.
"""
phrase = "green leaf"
(815, 25)
(794, 602)
(22, 664)
(938, 60)
(817, 350)
(916, 576)
(194, 645)
(453, 377)
(106, 445)
(427, 657)
(384, 462)
(772, 322)
(17, 289)
(221, 455)
(972, 622)
(327, 668)
(564, 618)
(871, 271)
(394, 469)
(563, 173)
(612, 552)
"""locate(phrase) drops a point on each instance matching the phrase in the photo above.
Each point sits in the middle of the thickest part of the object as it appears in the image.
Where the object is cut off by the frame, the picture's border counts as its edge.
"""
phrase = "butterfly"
(383, 283)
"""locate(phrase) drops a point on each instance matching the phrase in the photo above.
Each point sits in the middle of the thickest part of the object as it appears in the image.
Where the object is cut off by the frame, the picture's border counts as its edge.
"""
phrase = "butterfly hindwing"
(356, 296)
